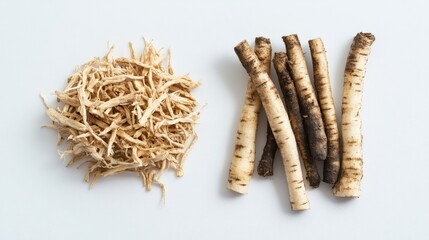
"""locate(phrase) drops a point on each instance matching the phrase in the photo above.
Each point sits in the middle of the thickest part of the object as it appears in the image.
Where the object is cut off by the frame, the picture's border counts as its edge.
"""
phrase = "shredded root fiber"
(127, 115)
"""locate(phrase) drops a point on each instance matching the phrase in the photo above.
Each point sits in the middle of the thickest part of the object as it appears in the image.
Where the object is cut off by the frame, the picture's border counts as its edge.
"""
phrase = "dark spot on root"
(238, 147)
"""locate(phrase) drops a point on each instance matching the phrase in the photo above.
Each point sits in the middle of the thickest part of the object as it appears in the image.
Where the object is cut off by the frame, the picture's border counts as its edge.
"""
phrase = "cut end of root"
(330, 172)
(247, 57)
(362, 40)
(259, 40)
(346, 192)
(368, 36)
(238, 188)
(265, 168)
(280, 61)
(280, 55)
(241, 46)
(300, 207)
(291, 40)
(329, 179)
(314, 182)
(346, 195)
(315, 41)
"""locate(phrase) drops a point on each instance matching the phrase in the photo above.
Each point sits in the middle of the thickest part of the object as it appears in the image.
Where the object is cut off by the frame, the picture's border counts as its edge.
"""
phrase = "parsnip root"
(351, 168)
(243, 160)
(331, 166)
(279, 122)
(294, 112)
(307, 98)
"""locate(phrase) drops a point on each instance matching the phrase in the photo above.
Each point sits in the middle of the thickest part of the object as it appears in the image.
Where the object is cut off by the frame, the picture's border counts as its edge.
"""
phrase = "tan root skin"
(352, 162)
(279, 122)
(243, 160)
(327, 107)
(294, 113)
(127, 115)
(307, 98)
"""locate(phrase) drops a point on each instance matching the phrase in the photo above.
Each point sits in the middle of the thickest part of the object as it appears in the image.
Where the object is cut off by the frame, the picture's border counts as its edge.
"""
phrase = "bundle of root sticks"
(305, 124)
(127, 115)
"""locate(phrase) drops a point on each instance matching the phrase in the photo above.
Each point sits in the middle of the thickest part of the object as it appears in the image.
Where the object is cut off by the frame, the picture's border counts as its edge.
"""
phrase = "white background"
(41, 42)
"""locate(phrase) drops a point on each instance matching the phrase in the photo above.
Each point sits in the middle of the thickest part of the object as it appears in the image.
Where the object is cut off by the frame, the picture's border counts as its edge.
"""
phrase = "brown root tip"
(265, 169)
(329, 179)
(247, 57)
(241, 46)
(279, 56)
(279, 62)
(363, 39)
(261, 39)
(315, 40)
(291, 40)
(369, 36)
(314, 181)
(330, 172)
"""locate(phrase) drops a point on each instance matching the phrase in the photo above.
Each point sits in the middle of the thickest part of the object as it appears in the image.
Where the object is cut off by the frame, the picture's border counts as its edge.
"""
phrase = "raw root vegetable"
(307, 98)
(243, 160)
(127, 115)
(279, 122)
(351, 168)
(265, 166)
(331, 166)
(294, 112)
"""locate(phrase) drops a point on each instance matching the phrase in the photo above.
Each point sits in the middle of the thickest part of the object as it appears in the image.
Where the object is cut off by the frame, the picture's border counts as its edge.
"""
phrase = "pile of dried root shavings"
(127, 115)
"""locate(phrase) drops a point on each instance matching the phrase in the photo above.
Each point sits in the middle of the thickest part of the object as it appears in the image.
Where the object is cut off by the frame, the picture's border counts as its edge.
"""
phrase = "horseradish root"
(279, 122)
(307, 98)
(127, 115)
(331, 166)
(266, 164)
(243, 160)
(351, 168)
(294, 112)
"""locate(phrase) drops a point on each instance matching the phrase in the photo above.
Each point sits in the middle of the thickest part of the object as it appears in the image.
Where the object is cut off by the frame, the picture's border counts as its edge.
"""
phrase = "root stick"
(279, 122)
(323, 87)
(294, 112)
(351, 168)
(307, 98)
(265, 166)
(243, 161)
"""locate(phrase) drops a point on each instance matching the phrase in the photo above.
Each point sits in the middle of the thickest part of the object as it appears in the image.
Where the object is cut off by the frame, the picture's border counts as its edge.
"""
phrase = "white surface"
(42, 42)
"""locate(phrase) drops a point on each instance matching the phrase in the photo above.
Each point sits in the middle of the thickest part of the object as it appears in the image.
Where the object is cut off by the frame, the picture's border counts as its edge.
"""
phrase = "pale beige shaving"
(127, 115)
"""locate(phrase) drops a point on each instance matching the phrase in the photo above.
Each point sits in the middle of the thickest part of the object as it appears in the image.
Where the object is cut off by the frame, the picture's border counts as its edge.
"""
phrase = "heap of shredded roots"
(127, 115)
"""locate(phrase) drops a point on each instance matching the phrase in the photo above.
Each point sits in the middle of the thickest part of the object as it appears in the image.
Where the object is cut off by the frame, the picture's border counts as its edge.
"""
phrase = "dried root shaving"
(127, 115)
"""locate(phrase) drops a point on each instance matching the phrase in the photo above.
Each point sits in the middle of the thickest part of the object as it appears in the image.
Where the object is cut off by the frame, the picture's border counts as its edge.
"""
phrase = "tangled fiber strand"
(127, 115)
